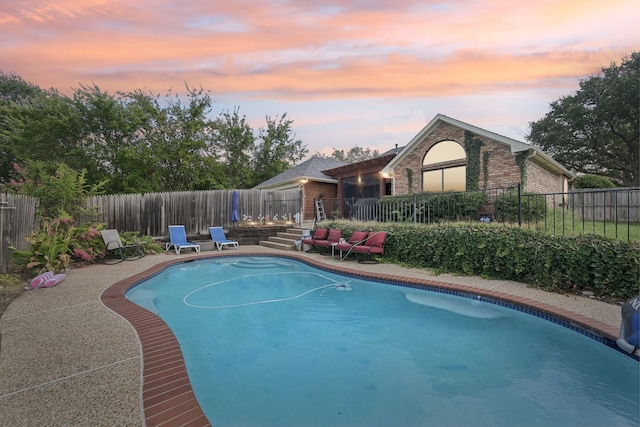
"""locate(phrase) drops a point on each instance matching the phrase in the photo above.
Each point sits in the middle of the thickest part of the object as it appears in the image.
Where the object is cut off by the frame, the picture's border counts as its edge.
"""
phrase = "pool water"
(270, 341)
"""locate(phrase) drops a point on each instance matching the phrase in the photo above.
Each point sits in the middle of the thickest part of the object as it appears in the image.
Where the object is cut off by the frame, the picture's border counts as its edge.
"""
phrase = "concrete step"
(290, 236)
(276, 245)
(282, 240)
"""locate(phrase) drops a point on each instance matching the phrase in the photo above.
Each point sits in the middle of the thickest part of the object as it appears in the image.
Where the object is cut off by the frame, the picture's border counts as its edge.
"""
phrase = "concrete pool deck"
(66, 358)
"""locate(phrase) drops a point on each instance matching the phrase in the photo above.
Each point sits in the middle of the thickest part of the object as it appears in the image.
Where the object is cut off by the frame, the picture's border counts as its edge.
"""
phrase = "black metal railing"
(609, 212)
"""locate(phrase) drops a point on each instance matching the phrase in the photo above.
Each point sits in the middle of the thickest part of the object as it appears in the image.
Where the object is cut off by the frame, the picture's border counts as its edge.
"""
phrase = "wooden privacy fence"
(152, 213)
(614, 204)
(17, 221)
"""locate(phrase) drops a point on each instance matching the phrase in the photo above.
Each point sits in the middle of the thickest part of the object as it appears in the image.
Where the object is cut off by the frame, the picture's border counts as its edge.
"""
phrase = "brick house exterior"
(497, 160)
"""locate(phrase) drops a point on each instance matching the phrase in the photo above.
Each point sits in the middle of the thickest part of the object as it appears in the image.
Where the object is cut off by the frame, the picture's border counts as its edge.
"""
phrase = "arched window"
(444, 167)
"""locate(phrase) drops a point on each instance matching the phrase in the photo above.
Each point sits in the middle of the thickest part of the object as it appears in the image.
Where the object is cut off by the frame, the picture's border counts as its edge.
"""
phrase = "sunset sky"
(370, 73)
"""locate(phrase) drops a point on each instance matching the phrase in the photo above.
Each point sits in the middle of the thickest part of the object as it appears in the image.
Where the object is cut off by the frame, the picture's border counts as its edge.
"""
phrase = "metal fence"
(609, 212)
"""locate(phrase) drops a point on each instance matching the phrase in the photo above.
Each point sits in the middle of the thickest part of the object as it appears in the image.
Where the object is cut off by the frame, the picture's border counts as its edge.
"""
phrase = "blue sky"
(347, 72)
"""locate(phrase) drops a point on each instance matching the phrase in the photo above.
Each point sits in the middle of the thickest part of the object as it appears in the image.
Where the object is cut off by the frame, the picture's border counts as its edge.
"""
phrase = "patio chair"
(373, 245)
(178, 239)
(319, 234)
(116, 251)
(356, 238)
(333, 238)
(219, 238)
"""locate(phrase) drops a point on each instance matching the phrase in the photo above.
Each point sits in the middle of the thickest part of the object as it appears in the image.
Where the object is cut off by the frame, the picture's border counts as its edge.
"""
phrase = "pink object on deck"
(39, 281)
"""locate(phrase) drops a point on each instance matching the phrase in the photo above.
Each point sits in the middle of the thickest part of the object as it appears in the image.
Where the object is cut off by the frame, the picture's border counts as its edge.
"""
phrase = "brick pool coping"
(167, 396)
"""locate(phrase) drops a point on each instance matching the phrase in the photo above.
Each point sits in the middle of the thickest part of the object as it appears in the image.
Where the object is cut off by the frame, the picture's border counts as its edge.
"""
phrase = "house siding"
(312, 190)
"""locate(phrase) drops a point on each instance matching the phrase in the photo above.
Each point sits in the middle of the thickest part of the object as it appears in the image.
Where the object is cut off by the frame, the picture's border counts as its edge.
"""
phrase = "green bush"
(593, 181)
(431, 207)
(86, 244)
(50, 247)
(61, 190)
(562, 264)
(506, 207)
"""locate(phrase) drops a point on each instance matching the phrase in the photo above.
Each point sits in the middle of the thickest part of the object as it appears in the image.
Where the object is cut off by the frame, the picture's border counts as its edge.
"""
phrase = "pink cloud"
(302, 51)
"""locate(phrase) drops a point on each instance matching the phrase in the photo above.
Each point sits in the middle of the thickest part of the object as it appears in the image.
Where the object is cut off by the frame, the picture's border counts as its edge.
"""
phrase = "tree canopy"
(596, 130)
(353, 155)
(139, 142)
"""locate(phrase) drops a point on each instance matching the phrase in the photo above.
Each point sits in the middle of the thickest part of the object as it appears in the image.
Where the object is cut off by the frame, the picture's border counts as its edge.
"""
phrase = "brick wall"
(540, 180)
(502, 168)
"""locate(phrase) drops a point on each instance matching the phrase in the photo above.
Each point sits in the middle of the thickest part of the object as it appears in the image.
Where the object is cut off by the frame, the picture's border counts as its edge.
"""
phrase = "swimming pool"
(315, 348)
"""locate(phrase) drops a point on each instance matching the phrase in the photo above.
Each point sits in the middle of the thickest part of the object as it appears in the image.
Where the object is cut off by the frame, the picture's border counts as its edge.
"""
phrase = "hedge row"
(556, 263)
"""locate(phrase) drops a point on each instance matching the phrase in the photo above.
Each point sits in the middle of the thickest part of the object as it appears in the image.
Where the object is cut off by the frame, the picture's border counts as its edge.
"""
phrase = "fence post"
(415, 209)
(519, 206)
(4, 248)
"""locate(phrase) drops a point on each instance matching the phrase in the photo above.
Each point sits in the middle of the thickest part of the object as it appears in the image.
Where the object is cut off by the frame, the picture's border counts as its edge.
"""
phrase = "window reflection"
(444, 151)
(444, 168)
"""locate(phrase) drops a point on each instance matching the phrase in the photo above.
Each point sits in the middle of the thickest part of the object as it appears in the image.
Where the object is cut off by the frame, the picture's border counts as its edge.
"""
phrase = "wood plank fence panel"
(621, 204)
(17, 221)
(152, 213)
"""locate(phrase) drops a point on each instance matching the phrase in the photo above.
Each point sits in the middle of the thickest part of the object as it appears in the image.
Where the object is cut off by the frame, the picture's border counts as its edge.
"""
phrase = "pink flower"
(81, 254)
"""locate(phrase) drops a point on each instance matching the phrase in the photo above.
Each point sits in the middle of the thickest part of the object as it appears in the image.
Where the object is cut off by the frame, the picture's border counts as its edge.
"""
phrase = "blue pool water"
(271, 341)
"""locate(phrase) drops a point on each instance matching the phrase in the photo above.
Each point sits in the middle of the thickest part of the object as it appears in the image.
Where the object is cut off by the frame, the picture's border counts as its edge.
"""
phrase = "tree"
(278, 150)
(37, 125)
(596, 130)
(108, 138)
(137, 142)
(176, 140)
(354, 155)
(234, 140)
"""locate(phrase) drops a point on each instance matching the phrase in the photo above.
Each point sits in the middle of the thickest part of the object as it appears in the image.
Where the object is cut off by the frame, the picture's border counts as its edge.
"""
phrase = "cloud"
(304, 54)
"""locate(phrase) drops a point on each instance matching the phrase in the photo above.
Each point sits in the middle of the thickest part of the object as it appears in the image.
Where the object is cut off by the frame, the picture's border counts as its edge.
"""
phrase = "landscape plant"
(532, 208)
(50, 247)
(566, 264)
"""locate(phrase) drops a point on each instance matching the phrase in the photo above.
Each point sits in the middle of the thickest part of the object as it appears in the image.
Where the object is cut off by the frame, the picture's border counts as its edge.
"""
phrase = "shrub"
(61, 190)
(50, 247)
(593, 181)
(506, 207)
(86, 244)
(431, 207)
(604, 266)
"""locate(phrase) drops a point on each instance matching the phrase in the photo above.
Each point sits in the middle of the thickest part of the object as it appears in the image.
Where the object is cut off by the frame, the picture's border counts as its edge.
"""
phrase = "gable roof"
(311, 169)
(516, 146)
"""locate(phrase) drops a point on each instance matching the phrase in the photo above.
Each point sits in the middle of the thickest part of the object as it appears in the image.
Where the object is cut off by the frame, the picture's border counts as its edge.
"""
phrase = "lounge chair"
(373, 245)
(356, 238)
(333, 237)
(319, 234)
(218, 237)
(178, 239)
(116, 251)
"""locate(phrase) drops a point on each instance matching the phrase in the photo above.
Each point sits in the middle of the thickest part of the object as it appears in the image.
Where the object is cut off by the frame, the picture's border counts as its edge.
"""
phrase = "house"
(309, 177)
(450, 155)
(446, 155)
